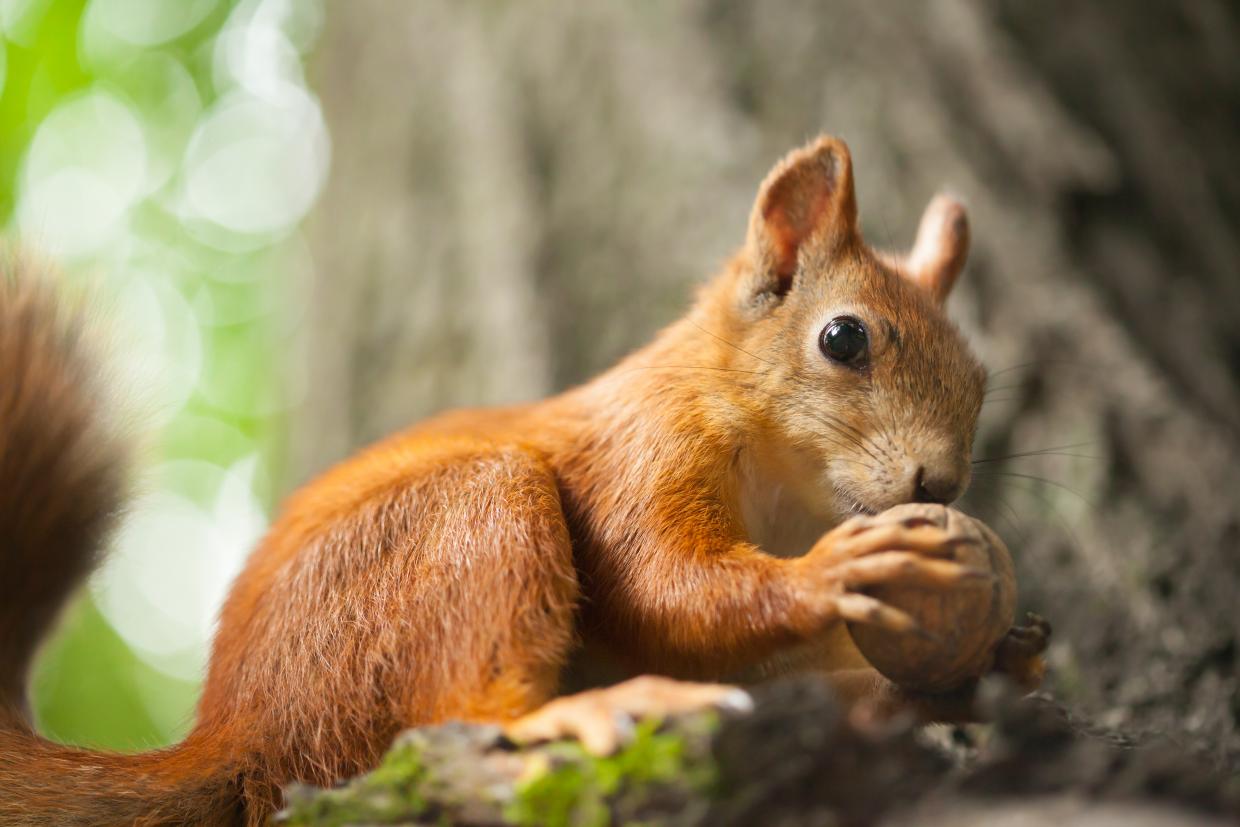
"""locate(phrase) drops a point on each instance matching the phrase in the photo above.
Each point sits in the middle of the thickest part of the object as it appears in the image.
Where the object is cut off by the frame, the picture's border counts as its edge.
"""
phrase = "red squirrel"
(702, 511)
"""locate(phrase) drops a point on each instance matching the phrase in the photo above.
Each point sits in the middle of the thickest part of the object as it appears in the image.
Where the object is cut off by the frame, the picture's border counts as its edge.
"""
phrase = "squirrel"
(703, 511)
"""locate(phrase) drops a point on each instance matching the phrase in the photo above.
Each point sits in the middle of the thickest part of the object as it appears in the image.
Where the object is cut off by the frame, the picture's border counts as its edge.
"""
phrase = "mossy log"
(794, 760)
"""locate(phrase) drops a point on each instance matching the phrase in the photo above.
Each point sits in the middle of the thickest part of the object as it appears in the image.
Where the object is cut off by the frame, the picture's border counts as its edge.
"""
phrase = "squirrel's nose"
(937, 486)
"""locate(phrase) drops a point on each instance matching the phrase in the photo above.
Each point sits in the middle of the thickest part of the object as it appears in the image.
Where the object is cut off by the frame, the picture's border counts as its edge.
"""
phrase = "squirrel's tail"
(62, 471)
(61, 486)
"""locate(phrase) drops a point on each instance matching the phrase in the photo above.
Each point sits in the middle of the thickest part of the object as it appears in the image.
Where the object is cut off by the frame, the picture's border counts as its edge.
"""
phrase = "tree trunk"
(523, 192)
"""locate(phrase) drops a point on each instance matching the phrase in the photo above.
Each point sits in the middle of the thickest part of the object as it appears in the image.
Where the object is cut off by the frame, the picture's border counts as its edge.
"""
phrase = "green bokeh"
(92, 690)
(89, 686)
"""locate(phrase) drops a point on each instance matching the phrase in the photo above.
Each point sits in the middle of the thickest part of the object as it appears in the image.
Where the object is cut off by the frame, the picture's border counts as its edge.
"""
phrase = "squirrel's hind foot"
(603, 719)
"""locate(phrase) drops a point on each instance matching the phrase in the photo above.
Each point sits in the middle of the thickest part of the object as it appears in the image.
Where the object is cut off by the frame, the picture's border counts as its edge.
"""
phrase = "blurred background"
(310, 224)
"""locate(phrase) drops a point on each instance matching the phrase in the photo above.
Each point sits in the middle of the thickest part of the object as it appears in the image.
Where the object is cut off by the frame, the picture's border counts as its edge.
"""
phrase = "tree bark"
(521, 193)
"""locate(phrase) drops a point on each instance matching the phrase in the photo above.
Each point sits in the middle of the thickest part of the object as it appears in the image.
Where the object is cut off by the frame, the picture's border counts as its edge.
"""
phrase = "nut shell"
(966, 621)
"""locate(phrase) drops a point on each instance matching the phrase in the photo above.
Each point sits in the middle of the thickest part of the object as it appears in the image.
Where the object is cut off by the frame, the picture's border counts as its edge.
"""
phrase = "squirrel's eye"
(844, 340)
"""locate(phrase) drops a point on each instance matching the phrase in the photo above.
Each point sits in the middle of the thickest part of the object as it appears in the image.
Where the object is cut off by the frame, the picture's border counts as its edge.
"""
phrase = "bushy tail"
(61, 488)
(61, 467)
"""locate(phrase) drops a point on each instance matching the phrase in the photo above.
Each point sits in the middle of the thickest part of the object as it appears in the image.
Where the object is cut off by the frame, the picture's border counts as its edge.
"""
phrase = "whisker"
(861, 440)
(885, 425)
(1044, 362)
(841, 440)
(841, 423)
(693, 367)
(1042, 480)
(1054, 508)
(994, 491)
(1035, 455)
(732, 345)
(1057, 451)
(992, 374)
(846, 435)
(1018, 527)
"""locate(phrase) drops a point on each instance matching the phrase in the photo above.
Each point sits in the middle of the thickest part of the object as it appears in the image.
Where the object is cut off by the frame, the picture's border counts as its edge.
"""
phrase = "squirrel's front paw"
(1019, 653)
(867, 552)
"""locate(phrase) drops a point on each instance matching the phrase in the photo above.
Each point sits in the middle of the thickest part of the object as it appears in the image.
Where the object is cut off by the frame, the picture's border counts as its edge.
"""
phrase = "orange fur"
(454, 570)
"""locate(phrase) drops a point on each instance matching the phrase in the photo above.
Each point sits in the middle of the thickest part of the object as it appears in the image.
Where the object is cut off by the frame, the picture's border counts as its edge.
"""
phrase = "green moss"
(433, 775)
(576, 789)
(402, 769)
(392, 792)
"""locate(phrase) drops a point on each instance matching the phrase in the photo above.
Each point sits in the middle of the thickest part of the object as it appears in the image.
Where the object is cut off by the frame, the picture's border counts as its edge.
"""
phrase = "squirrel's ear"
(807, 196)
(941, 248)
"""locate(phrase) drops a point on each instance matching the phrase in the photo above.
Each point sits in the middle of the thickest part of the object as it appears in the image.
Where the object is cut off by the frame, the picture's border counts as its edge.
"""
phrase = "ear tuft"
(808, 196)
(941, 248)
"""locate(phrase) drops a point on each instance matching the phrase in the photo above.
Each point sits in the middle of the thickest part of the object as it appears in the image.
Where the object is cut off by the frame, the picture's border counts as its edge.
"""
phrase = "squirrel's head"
(862, 394)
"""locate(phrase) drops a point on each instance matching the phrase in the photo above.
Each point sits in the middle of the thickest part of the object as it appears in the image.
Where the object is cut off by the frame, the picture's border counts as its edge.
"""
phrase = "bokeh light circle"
(143, 23)
(173, 560)
(254, 165)
(85, 168)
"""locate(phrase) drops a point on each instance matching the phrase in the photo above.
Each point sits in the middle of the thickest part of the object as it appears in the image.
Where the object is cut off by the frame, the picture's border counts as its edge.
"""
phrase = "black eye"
(844, 340)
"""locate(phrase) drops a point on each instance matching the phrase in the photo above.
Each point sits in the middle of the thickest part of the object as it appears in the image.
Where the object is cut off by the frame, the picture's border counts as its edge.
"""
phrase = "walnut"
(964, 623)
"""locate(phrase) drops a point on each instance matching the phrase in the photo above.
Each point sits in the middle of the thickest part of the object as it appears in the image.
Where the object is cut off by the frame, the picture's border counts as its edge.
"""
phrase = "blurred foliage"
(163, 154)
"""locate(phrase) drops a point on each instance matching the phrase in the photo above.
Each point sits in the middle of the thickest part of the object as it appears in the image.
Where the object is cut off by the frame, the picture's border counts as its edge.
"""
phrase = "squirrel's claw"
(1019, 653)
